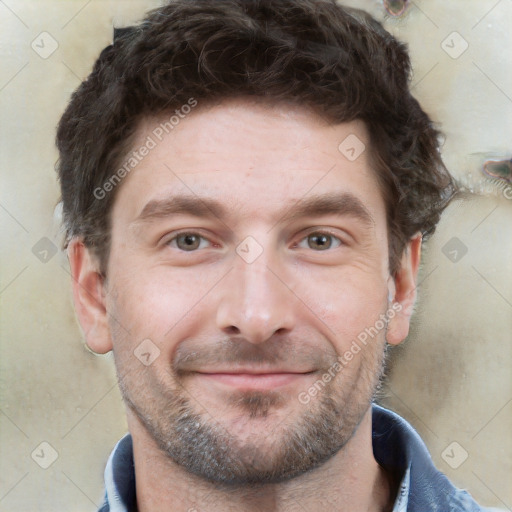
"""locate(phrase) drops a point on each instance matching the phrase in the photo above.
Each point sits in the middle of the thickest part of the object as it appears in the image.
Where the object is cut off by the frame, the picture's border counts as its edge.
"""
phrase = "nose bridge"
(255, 302)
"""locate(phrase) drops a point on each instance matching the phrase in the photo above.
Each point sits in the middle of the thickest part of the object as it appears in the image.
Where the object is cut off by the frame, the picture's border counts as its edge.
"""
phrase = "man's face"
(246, 300)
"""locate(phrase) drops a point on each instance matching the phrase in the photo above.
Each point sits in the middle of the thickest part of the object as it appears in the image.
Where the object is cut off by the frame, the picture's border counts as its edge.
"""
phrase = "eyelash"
(318, 232)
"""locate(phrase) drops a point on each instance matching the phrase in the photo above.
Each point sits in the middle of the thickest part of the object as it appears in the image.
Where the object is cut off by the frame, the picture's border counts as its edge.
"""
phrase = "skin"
(292, 310)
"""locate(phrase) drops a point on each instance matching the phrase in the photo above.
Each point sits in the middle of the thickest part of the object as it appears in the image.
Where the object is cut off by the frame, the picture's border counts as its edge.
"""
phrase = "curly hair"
(336, 60)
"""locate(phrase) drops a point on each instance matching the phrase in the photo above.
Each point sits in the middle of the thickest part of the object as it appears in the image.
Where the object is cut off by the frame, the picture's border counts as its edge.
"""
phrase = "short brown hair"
(338, 61)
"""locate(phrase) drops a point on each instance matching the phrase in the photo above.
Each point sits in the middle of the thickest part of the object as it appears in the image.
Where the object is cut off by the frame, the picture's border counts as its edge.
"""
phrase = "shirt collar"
(120, 478)
(398, 448)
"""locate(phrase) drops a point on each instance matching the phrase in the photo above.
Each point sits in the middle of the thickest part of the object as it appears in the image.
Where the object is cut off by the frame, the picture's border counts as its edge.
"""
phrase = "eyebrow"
(335, 203)
(185, 205)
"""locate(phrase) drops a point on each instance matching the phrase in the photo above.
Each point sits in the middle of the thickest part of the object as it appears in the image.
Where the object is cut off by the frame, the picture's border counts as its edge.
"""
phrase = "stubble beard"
(204, 447)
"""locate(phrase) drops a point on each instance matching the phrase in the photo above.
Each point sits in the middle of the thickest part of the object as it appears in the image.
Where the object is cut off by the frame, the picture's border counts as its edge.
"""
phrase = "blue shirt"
(397, 447)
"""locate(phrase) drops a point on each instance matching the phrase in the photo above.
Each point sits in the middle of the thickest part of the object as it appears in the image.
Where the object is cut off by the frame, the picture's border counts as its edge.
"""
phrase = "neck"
(349, 481)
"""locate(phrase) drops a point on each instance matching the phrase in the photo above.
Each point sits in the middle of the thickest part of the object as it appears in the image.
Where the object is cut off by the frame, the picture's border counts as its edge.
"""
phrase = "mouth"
(253, 380)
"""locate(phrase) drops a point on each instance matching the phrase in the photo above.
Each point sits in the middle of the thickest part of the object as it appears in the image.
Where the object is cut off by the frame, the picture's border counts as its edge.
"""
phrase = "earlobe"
(89, 297)
(404, 294)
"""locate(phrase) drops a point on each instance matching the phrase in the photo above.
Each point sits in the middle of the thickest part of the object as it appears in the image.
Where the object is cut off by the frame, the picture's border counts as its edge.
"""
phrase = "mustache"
(192, 355)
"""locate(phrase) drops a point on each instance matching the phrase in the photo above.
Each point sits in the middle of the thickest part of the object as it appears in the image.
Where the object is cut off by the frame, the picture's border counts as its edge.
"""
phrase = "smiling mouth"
(255, 381)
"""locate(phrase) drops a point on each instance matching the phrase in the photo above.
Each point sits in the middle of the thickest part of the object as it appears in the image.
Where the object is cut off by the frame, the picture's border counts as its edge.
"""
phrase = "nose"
(256, 301)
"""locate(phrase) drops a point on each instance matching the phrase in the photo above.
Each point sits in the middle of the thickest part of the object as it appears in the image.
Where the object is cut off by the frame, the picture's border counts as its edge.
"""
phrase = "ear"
(403, 292)
(89, 297)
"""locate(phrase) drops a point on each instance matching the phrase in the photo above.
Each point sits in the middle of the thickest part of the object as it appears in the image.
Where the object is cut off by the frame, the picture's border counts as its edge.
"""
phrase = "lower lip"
(263, 381)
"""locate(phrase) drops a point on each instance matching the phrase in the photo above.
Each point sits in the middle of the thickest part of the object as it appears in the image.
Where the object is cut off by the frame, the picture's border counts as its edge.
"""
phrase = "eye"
(187, 241)
(321, 241)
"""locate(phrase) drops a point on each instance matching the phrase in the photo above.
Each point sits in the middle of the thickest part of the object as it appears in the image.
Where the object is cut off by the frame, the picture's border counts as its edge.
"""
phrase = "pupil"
(321, 241)
(189, 241)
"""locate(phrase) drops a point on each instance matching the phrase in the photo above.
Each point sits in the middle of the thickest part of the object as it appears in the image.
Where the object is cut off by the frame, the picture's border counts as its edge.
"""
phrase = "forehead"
(247, 153)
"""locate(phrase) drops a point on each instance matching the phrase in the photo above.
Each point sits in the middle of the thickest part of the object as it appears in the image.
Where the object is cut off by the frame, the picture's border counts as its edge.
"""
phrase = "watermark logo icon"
(454, 455)
(44, 250)
(147, 352)
(454, 249)
(44, 45)
(352, 147)
(454, 45)
(44, 455)
(249, 249)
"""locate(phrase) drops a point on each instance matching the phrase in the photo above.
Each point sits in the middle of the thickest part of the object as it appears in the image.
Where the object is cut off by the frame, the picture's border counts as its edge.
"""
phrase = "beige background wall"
(451, 379)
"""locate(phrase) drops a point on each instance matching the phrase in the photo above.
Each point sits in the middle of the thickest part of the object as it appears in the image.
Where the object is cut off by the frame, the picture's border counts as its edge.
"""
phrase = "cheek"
(152, 303)
(345, 302)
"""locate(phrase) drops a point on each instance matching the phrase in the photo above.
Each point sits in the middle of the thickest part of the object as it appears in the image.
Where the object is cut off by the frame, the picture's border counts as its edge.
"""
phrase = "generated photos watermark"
(137, 155)
(356, 346)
